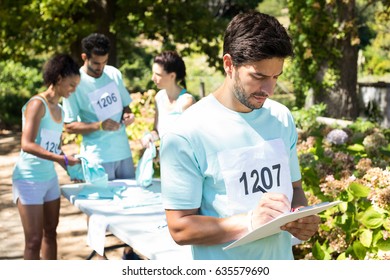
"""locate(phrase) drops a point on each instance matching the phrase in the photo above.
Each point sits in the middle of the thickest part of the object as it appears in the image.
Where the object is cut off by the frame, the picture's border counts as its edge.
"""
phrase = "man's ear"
(84, 56)
(228, 64)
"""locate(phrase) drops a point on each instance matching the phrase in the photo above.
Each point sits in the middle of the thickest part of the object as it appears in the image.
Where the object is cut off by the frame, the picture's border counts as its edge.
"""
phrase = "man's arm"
(82, 127)
(109, 124)
(188, 227)
(299, 197)
(127, 116)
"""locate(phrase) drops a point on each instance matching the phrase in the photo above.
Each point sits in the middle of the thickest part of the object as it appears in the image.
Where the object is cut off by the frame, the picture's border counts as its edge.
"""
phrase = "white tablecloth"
(133, 214)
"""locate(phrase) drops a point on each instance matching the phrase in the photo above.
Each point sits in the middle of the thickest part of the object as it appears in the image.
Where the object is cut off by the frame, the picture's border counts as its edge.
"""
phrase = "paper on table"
(273, 226)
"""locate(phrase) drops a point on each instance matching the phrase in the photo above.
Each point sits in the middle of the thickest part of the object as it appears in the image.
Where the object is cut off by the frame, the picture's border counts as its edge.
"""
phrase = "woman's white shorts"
(35, 193)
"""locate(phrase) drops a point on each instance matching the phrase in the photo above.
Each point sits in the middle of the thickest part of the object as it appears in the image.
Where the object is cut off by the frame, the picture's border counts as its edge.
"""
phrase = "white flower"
(337, 136)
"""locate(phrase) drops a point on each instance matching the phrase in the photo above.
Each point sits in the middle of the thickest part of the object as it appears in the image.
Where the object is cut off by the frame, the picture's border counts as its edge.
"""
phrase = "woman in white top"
(169, 73)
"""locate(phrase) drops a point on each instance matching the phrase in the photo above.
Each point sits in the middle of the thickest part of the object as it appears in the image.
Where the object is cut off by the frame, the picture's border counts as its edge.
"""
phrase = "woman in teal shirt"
(35, 183)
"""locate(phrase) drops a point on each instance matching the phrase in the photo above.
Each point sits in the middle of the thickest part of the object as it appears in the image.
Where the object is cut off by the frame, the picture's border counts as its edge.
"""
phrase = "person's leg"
(32, 222)
(109, 167)
(49, 242)
(124, 169)
(51, 212)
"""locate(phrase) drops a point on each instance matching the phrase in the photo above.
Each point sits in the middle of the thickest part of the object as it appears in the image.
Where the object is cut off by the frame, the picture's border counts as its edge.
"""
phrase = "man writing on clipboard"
(229, 165)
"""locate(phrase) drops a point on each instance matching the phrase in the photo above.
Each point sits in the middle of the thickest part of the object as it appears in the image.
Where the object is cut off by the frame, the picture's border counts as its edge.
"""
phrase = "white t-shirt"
(167, 117)
(196, 171)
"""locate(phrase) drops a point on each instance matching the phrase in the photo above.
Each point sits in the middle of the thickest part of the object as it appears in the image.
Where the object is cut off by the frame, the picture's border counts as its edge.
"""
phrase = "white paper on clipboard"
(273, 226)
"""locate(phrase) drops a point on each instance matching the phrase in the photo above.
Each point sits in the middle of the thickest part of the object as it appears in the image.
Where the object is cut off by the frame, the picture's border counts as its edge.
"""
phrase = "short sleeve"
(294, 163)
(181, 179)
(125, 95)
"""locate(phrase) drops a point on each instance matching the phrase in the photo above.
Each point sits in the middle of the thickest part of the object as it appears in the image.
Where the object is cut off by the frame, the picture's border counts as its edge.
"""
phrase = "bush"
(143, 107)
(355, 171)
(17, 84)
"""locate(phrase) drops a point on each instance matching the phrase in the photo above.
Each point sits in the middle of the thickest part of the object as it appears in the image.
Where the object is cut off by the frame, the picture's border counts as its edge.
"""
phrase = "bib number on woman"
(250, 172)
(50, 140)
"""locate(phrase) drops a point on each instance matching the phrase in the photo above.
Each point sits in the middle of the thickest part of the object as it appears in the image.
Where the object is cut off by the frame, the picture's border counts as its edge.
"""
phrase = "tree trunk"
(101, 15)
(342, 101)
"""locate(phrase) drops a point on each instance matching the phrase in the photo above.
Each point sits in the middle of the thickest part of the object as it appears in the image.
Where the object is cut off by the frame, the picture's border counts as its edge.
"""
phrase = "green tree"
(327, 42)
(34, 27)
(377, 51)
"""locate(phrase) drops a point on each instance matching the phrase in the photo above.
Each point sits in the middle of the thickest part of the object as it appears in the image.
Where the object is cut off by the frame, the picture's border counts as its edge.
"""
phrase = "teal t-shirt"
(98, 99)
(33, 168)
(192, 177)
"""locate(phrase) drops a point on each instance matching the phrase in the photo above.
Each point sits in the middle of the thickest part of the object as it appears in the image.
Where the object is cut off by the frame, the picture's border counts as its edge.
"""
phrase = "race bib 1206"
(106, 101)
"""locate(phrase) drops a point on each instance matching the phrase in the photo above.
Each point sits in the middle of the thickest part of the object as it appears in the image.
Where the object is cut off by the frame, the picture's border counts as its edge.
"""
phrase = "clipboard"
(273, 227)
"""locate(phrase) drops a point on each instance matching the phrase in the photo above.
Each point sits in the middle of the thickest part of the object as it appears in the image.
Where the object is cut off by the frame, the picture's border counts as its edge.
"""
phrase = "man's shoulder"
(274, 105)
(199, 108)
(111, 70)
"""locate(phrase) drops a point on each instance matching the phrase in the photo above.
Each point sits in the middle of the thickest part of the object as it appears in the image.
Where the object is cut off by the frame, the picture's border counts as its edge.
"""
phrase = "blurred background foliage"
(33, 30)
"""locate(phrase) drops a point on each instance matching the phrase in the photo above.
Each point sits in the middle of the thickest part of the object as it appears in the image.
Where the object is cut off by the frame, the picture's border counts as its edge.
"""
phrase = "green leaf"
(356, 148)
(358, 190)
(386, 224)
(384, 245)
(372, 219)
(318, 252)
(376, 236)
(342, 256)
(359, 250)
(366, 238)
(343, 206)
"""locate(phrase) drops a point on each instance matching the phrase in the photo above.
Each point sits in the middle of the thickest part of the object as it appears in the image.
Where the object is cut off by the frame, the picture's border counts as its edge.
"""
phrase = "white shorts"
(35, 193)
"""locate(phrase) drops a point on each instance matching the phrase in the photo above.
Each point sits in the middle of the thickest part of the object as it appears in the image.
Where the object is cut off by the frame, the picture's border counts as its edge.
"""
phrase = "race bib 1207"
(250, 172)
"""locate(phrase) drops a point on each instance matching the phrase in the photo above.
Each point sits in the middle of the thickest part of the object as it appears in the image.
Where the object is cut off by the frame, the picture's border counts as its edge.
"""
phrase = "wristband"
(66, 161)
(249, 217)
(100, 125)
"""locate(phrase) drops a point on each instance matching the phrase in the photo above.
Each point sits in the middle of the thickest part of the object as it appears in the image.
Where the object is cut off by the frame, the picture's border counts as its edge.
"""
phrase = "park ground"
(72, 229)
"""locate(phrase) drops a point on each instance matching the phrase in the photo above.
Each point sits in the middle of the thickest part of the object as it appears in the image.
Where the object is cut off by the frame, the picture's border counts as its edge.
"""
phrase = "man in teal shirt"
(229, 164)
(99, 110)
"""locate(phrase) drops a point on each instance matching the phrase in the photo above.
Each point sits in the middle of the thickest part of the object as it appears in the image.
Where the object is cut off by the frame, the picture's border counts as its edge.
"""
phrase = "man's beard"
(243, 97)
(96, 74)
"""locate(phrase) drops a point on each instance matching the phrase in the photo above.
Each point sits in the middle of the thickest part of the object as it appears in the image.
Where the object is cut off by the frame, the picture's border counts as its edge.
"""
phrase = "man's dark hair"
(96, 43)
(60, 65)
(255, 36)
